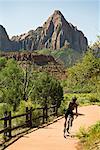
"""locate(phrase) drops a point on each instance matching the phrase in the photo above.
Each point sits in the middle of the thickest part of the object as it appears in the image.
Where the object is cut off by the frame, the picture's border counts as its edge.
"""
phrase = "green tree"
(84, 76)
(95, 47)
(47, 90)
(22, 83)
(11, 82)
(3, 62)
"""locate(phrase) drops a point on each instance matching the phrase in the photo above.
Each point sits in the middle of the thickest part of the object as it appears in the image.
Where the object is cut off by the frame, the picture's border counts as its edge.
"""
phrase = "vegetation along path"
(51, 136)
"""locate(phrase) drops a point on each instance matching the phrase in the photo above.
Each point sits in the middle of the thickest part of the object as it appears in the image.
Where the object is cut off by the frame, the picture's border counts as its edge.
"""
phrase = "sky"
(20, 16)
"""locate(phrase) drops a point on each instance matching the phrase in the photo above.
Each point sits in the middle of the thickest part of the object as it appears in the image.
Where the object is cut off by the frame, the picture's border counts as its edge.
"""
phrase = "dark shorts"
(68, 112)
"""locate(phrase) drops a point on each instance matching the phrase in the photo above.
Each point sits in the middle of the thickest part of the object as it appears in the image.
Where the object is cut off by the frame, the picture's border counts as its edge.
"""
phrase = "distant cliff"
(38, 59)
(5, 43)
(55, 33)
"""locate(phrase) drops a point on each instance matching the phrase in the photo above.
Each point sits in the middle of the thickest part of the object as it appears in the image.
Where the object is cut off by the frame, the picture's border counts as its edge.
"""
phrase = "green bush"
(82, 134)
(84, 98)
(64, 105)
(84, 76)
(22, 110)
(94, 99)
(4, 107)
(3, 62)
(90, 138)
(47, 90)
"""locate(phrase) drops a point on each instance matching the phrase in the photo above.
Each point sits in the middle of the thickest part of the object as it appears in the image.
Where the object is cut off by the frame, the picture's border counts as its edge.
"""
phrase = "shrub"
(4, 107)
(22, 109)
(90, 138)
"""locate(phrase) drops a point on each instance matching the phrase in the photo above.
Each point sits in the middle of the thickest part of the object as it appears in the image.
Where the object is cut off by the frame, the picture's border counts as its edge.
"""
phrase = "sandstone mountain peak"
(58, 33)
(57, 16)
(57, 12)
(55, 33)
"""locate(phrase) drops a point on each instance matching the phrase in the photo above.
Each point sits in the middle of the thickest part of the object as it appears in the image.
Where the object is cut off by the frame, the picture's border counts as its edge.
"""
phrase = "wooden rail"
(29, 122)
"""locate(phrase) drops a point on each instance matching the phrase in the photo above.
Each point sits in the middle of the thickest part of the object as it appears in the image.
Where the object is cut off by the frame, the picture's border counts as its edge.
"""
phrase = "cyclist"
(72, 105)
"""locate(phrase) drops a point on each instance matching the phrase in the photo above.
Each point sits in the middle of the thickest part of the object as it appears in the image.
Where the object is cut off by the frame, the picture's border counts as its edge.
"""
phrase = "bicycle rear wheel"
(70, 120)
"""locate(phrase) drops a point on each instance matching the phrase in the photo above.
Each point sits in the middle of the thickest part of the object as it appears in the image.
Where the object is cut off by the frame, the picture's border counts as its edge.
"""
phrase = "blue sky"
(20, 16)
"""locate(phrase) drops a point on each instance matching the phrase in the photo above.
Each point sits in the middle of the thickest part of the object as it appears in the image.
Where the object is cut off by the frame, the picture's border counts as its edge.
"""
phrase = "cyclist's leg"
(65, 128)
(66, 115)
(65, 123)
(68, 125)
(72, 118)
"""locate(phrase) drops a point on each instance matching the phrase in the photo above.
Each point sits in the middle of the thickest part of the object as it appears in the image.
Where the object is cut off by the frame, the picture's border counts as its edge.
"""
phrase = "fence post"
(43, 115)
(10, 124)
(56, 111)
(46, 115)
(5, 125)
(26, 116)
(31, 117)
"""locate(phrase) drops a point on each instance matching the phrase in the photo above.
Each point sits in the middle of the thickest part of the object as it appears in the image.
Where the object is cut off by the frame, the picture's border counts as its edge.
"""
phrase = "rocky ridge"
(55, 33)
(40, 62)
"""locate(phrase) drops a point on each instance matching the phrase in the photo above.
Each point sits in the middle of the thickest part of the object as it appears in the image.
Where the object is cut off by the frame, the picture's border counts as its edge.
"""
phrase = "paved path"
(51, 137)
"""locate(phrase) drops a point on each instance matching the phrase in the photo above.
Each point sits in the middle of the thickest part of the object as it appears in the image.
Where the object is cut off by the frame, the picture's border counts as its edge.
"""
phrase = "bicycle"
(69, 123)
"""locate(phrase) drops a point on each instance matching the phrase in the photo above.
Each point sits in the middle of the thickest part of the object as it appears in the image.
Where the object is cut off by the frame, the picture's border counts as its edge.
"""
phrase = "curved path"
(51, 137)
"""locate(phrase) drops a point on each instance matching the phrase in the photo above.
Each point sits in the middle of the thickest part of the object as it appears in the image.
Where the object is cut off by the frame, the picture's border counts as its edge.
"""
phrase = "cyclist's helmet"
(74, 98)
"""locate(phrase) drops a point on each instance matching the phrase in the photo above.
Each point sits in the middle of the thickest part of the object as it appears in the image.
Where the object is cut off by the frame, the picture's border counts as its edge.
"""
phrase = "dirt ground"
(51, 137)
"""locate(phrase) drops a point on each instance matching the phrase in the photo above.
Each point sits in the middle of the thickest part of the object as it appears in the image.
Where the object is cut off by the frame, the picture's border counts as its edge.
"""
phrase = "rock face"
(5, 43)
(41, 63)
(38, 59)
(28, 41)
(55, 33)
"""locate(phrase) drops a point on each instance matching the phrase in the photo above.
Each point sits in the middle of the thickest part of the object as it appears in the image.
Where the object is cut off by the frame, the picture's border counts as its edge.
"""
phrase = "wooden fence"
(29, 119)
